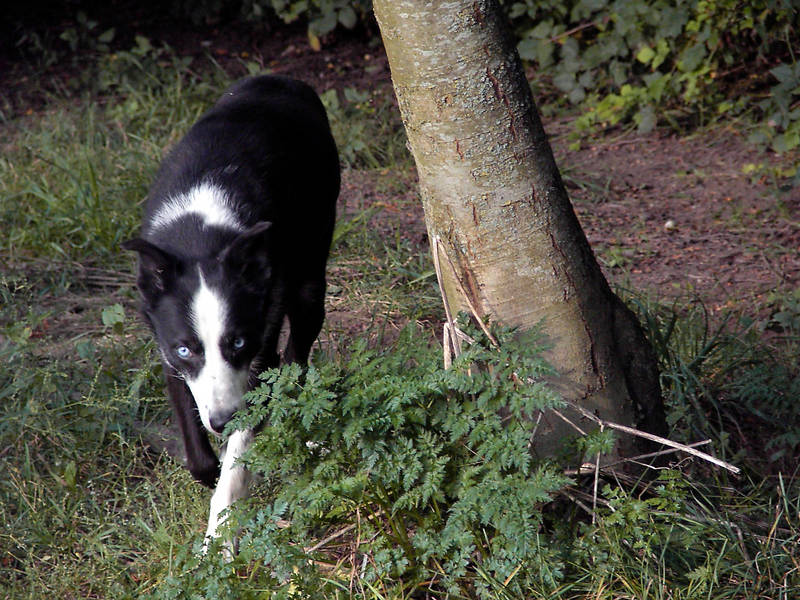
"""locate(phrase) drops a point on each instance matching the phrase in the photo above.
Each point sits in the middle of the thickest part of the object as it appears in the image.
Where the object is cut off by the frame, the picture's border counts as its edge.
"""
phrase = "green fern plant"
(431, 469)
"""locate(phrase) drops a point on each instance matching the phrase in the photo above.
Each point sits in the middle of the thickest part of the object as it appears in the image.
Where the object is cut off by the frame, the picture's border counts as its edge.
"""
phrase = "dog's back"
(265, 149)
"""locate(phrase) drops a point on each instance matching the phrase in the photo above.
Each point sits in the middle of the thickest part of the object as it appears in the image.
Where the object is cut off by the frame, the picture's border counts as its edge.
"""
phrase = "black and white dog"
(235, 237)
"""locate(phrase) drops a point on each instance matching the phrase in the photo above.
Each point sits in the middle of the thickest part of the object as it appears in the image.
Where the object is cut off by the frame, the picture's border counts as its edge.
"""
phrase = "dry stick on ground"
(654, 438)
(339, 533)
(587, 468)
(596, 482)
(587, 509)
(330, 538)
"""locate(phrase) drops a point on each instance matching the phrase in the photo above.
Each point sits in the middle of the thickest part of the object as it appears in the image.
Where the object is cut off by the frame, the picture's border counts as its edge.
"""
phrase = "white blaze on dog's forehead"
(218, 387)
(209, 314)
(206, 200)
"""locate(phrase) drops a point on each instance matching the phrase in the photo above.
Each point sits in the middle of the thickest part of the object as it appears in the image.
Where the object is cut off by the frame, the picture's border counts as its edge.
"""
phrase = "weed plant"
(439, 482)
(724, 380)
(358, 120)
(388, 477)
(89, 510)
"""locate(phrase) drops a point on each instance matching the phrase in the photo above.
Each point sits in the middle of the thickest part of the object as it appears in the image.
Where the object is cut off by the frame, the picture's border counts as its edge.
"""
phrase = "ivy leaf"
(543, 31)
(577, 95)
(348, 17)
(106, 36)
(786, 141)
(784, 73)
(324, 24)
(517, 10)
(692, 57)
(662, 51)
(645, 55)
(528, 48)
(672, 21)
(565, 81)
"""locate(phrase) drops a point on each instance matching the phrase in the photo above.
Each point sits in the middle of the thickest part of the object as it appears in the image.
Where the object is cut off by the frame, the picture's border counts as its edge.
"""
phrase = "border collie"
(235, 237)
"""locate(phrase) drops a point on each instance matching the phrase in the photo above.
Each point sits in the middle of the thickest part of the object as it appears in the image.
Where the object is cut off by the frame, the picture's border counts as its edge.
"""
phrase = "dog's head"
(208, 316)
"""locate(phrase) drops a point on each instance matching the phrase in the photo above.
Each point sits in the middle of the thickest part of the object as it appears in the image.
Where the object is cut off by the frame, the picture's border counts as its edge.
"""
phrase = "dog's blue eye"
(183, 352)
(238, 343)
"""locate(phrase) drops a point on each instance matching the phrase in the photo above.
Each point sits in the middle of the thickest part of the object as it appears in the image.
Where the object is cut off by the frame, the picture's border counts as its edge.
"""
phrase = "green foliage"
(85, 35)
(723, 382)
(390, 478)
(68, 215)
(642, 61)
(99, 69)
(769, 392)
(89, 511)
(46, 48)
(59, 205)
(433, 465)
(142, 67)
(323, 16)
(646, 62)
(76, 485)
(678, 543)
(367, 127)
(665, 60)
(201, 11)
(785, 315)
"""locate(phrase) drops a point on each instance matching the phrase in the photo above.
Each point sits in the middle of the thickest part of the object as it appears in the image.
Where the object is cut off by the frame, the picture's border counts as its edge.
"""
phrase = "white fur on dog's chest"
(233, 483)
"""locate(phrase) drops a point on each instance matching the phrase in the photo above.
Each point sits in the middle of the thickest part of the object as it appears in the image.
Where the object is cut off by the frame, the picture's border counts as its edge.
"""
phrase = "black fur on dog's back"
(268, 139)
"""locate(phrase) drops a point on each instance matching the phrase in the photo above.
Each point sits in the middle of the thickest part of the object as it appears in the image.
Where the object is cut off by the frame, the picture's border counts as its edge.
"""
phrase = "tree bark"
(494, 197)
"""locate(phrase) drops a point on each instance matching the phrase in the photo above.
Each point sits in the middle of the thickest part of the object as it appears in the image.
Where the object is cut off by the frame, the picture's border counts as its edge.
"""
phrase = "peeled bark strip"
(493, 194)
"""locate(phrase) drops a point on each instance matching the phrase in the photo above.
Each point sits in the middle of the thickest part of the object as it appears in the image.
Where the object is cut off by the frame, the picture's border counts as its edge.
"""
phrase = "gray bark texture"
(494, 197)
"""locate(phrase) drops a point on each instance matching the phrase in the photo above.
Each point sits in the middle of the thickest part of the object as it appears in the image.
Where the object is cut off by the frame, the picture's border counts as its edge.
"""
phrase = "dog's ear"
(247, 256)
(157, 269)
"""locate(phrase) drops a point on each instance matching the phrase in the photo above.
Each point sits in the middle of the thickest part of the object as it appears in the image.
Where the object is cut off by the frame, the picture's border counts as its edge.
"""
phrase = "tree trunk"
(510, 240)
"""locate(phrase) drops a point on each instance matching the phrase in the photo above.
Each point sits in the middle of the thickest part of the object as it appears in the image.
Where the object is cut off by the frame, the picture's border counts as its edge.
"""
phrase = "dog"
(235, 237)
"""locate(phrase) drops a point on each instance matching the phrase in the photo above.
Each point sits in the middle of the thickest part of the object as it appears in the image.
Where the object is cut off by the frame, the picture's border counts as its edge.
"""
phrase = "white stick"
(655, 438)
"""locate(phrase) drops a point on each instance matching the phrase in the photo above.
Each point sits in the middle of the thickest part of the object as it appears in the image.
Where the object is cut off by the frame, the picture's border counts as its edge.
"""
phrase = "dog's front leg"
(200, 458)
(234, 480)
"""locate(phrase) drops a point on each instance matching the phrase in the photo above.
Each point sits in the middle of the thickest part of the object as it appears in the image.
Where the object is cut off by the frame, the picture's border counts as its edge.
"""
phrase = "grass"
(91, 511)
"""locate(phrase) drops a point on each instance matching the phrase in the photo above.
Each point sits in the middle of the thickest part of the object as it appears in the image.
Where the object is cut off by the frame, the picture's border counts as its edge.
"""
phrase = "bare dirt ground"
(666, 214)
(680, 216)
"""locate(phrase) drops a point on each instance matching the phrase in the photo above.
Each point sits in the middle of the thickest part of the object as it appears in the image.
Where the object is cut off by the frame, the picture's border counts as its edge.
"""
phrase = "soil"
(667, 215)
(672, 215)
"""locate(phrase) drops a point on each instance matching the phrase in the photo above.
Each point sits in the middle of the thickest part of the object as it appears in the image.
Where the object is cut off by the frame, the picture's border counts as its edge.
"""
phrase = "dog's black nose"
(219, 420)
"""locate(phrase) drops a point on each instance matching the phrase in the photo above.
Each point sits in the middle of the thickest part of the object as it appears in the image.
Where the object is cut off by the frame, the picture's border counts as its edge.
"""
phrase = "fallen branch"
(587, 468)
(654, 438)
